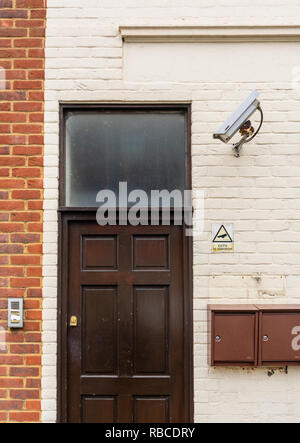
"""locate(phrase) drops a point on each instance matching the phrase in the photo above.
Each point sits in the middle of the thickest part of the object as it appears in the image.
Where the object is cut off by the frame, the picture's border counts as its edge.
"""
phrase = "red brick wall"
(22, 28)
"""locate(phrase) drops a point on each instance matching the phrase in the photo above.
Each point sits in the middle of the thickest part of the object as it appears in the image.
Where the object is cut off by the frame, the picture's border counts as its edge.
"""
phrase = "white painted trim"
(193, 34)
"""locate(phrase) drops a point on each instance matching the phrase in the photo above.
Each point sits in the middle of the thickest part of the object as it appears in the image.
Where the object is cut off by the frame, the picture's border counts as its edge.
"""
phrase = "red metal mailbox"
(234, 333)
(279, 335)
(254, 335)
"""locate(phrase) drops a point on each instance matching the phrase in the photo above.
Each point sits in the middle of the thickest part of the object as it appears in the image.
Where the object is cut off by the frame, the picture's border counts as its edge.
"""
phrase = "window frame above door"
(117, 107)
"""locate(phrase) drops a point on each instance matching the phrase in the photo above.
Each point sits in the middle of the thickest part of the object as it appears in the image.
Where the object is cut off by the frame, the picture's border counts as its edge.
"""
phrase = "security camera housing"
(237, 118)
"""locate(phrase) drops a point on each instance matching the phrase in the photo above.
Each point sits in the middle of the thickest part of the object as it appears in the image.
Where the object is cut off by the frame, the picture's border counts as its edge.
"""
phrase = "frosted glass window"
(144, 149)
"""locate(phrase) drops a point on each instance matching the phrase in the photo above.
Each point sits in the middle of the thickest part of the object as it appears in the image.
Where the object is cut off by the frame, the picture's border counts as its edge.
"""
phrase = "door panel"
(126, 356)
(99, 410)
(151, 330)
(151, 252)
(99, 327)
(91, 259)
(151, 410)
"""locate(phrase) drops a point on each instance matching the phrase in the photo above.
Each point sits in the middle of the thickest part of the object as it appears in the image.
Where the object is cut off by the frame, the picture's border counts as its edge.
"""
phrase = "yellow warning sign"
(222, 238)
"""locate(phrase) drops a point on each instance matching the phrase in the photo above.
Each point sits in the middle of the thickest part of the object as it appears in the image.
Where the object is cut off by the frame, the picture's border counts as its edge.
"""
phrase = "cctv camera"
(239, 121)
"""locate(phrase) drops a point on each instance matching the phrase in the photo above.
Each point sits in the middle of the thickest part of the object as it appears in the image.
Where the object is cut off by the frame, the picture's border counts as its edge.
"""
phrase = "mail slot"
(279, 335)
(234, 335)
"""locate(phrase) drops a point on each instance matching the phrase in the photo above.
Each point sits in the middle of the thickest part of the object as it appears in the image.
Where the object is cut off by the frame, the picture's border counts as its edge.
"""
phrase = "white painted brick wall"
(259, 192)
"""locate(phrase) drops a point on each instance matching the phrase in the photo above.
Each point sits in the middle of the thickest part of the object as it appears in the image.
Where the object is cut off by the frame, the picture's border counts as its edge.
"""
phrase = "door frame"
(67, 215)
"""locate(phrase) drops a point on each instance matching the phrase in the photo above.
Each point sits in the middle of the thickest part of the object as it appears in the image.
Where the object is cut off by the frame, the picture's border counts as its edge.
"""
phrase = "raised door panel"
(99, 330)
(151, 330)
(99, 252)
(150, 252)
(99, 409)
(151, 410)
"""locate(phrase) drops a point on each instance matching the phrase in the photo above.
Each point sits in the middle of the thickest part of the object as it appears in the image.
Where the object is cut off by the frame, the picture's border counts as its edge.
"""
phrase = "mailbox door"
(280, 338)
(234, 339)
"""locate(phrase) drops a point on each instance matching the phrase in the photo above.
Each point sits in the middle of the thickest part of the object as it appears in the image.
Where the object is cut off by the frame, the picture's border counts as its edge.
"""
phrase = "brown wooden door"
(126, 357)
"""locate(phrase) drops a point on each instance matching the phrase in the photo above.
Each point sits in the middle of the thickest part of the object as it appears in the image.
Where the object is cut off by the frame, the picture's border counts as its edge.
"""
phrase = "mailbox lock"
(218, 339)
(265, 338)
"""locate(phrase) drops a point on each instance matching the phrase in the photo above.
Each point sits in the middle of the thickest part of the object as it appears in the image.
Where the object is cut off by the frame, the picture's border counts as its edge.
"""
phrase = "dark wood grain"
(128, 350)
